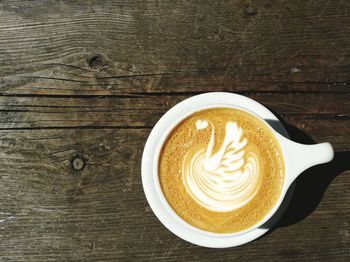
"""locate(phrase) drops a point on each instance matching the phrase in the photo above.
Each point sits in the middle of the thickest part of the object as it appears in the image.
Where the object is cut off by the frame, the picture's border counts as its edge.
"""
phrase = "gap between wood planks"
(73, 127)
(156, 94)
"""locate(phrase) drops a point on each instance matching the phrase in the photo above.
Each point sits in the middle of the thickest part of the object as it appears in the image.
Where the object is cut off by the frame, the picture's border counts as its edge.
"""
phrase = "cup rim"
(159, 204)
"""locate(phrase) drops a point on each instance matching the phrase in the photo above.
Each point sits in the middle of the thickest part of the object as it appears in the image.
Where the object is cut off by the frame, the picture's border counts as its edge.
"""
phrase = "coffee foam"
(226, 180)
(221, 170)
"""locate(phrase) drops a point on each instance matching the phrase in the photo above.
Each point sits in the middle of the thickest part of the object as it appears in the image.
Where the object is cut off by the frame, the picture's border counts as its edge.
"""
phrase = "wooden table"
(83, 82)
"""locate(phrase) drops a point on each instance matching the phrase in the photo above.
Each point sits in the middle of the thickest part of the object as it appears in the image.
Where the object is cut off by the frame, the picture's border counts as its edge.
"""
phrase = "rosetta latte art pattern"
(226, 180)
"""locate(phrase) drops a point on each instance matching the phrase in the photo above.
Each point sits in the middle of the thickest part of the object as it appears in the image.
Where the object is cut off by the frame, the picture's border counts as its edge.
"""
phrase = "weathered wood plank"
(322, 116)
(104, 48)
(159, 83)
(144, 110)
(49, 211)
(281, 103)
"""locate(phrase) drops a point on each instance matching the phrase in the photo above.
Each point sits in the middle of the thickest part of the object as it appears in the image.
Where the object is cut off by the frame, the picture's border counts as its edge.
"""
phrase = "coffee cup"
(297, 158)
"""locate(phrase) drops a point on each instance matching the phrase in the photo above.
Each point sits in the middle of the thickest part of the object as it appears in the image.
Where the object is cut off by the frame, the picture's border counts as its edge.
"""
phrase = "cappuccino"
(221, 170)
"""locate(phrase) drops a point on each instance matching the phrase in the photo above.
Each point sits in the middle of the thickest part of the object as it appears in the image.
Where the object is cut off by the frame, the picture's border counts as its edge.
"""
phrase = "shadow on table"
(309, 186)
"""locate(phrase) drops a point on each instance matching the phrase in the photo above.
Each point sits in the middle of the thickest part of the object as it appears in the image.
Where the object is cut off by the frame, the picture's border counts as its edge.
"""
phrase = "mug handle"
(299, 157)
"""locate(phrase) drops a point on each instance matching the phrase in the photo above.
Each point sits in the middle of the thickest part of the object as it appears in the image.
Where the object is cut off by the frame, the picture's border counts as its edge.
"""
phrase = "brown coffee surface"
(194, 134)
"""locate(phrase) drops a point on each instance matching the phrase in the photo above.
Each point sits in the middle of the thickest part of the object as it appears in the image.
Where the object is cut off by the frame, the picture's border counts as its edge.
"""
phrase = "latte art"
(221, 170)
(225, 180)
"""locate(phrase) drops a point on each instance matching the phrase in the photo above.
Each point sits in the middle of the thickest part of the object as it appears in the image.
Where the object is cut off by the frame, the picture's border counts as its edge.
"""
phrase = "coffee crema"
(221, 170)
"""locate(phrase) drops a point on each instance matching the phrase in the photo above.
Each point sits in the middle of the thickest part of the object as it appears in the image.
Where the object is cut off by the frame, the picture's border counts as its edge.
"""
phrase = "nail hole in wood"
(250, 11)
(78, 163)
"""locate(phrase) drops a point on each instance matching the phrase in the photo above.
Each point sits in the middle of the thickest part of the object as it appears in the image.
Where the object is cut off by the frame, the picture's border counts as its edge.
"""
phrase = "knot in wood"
(96, 62)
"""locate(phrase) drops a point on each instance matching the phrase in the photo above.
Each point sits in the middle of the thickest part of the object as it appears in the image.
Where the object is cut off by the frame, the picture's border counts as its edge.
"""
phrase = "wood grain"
(116, 47)
(83, 82)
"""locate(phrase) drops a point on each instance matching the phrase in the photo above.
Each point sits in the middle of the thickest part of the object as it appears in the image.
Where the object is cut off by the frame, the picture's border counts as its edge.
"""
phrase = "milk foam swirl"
(226, 180)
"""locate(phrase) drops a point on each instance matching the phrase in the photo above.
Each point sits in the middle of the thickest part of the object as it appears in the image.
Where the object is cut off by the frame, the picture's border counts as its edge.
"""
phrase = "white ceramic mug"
(297, 158)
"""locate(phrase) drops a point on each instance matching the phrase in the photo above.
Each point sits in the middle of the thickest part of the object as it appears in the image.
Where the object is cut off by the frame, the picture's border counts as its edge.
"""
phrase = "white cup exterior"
(297, 158)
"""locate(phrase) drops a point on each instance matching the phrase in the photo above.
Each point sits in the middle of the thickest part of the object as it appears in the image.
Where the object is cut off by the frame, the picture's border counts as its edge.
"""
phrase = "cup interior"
(162, 197)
